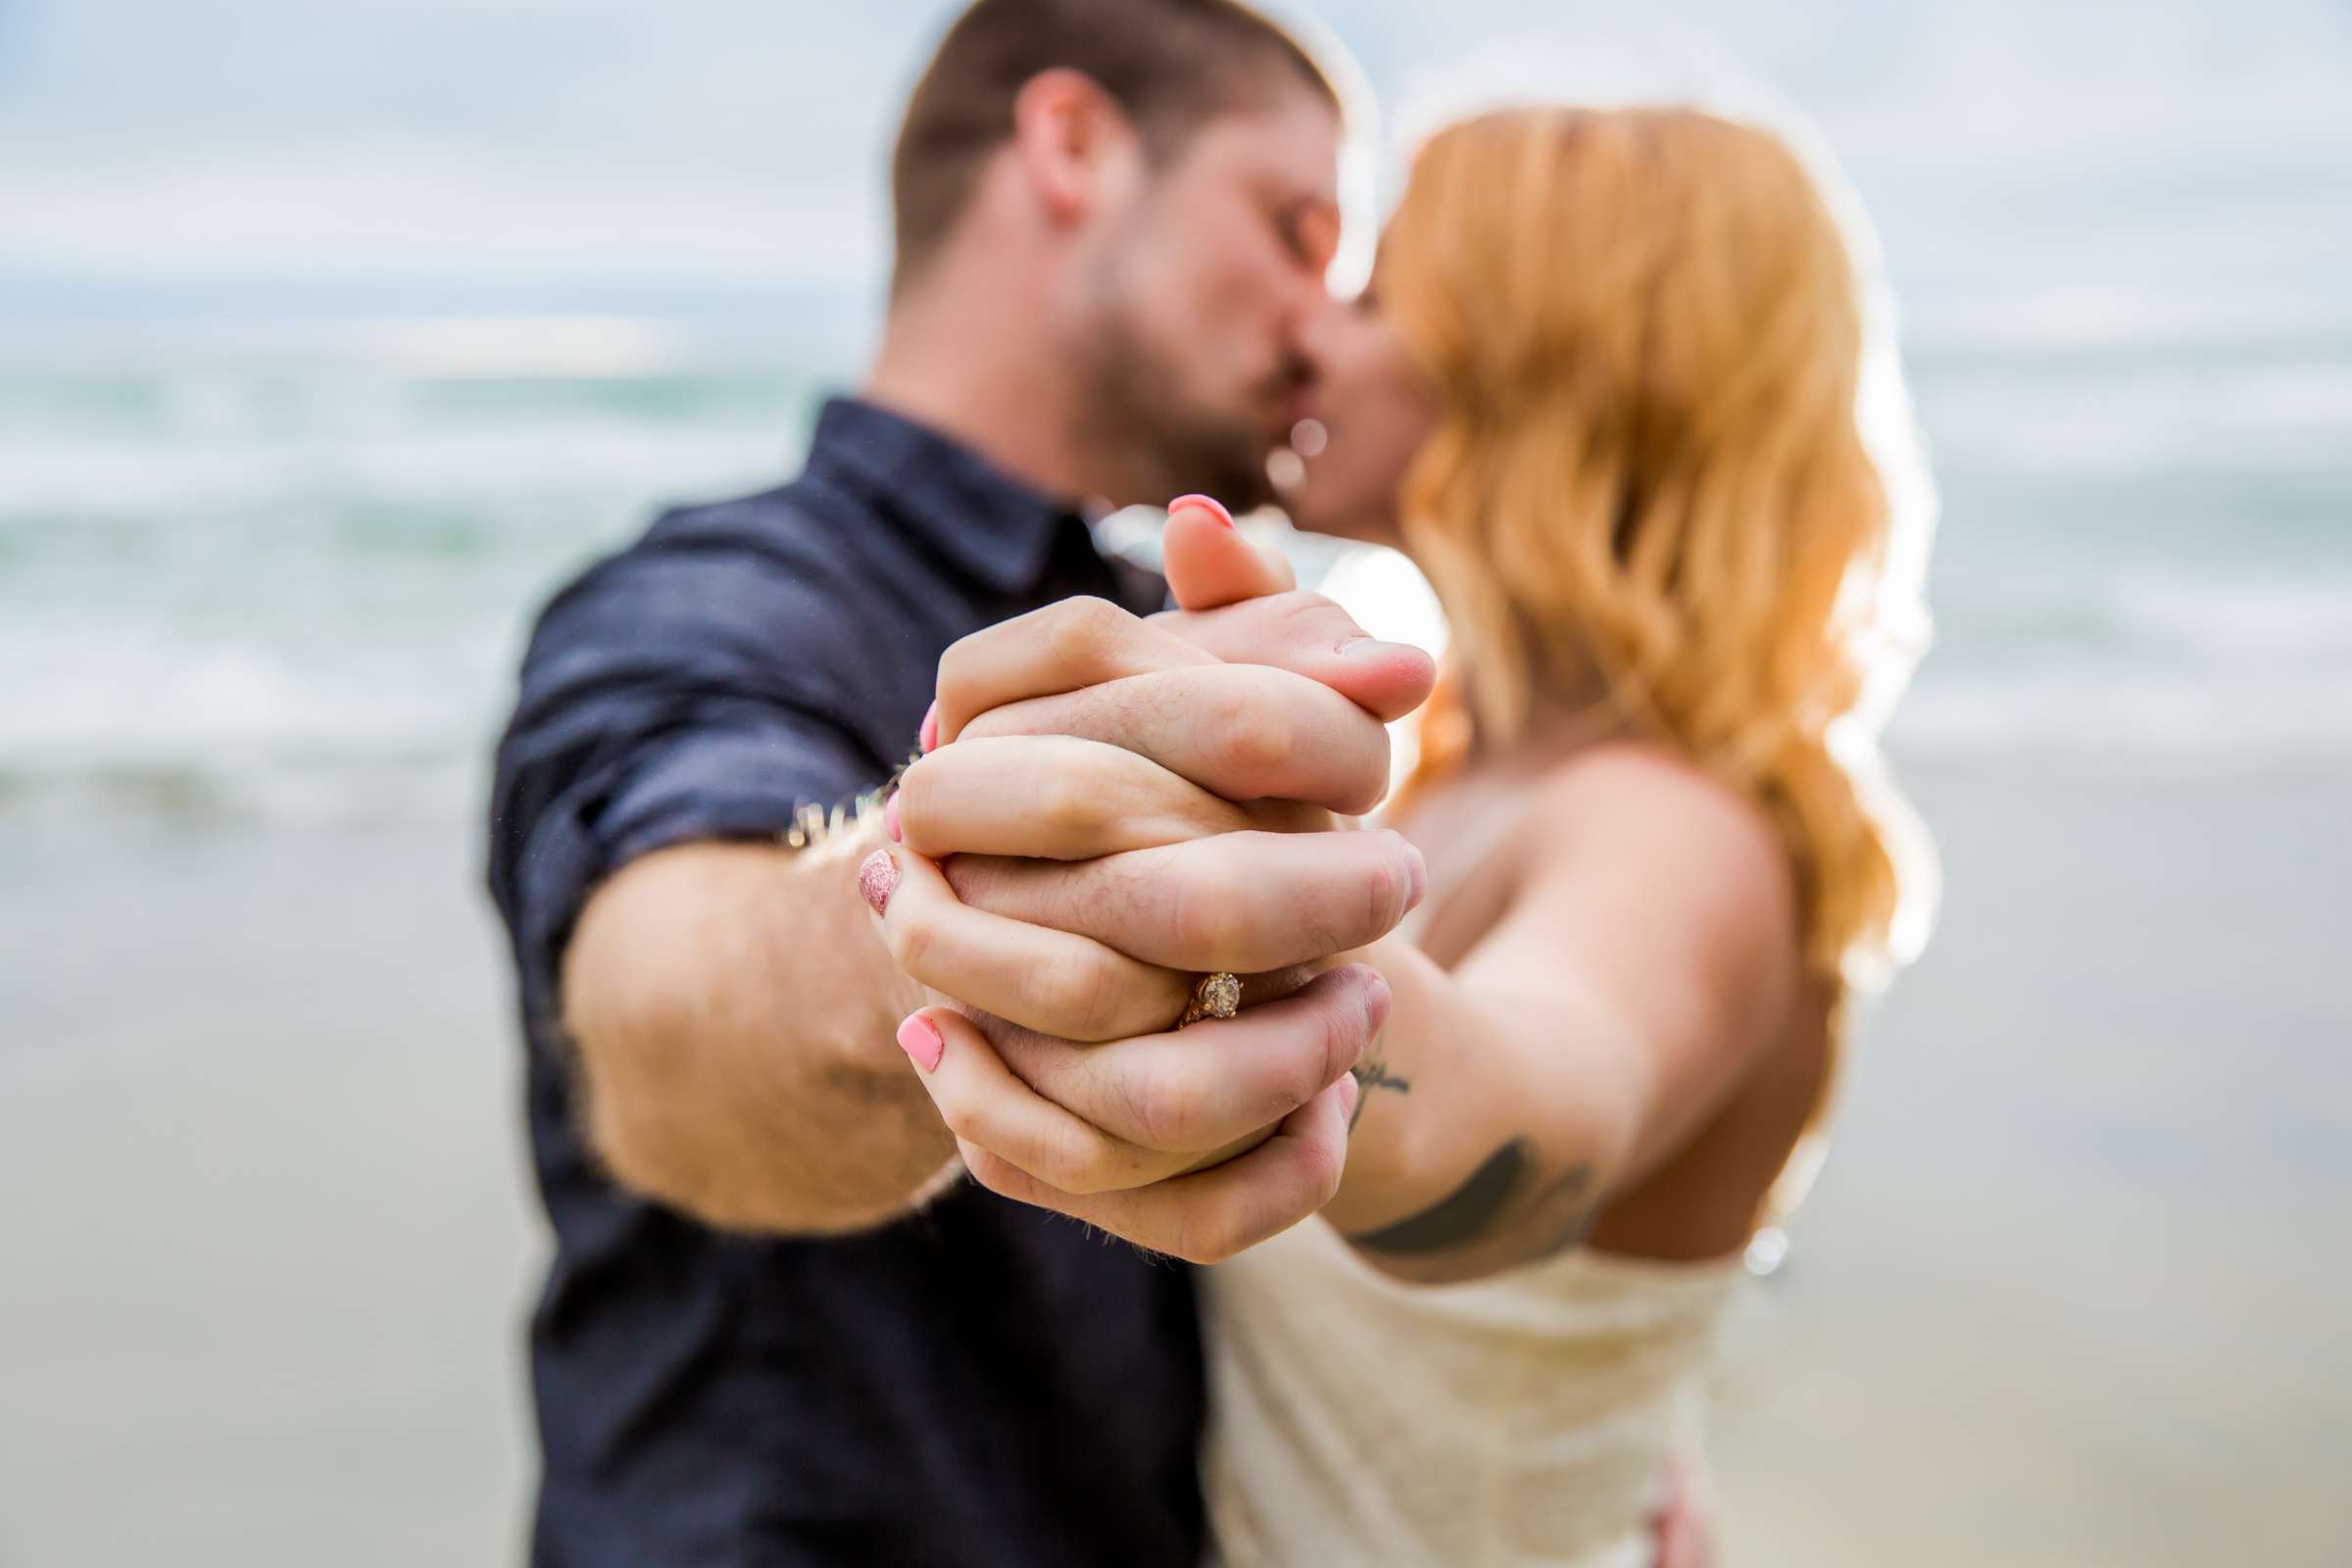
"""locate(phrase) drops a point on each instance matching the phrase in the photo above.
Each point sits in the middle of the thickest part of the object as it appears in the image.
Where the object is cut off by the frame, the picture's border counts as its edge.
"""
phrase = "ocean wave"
(2243, 619)
(121, 712)
(2284, 414)
(117, 710)
(283, 765)
(169, 482)
(320, 794)
(2101, 711)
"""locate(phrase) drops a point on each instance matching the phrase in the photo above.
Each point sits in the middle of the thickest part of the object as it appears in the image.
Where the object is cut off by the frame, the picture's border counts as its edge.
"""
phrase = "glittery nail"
(878, 879)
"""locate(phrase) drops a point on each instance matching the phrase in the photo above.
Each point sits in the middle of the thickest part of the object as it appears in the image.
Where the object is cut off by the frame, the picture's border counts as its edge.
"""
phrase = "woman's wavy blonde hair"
(1646, 327)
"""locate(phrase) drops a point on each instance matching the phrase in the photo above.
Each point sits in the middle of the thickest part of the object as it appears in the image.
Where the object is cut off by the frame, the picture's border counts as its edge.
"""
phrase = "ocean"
(275, 585)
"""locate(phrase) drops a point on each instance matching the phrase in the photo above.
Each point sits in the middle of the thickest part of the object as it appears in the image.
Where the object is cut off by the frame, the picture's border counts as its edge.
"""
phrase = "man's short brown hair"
(1170, 65)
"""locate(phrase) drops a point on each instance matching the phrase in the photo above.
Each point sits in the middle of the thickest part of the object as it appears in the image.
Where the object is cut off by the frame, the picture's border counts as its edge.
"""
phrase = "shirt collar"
(988, 524)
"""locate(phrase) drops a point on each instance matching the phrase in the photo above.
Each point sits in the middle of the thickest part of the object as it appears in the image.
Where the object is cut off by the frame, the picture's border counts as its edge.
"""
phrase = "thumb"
(1209, 564)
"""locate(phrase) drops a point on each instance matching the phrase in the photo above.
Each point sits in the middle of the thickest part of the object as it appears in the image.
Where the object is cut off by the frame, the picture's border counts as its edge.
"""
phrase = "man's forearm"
(733, 1010)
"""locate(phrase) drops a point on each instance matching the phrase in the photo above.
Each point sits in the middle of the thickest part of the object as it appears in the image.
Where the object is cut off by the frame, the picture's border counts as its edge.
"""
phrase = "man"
(767, 1335)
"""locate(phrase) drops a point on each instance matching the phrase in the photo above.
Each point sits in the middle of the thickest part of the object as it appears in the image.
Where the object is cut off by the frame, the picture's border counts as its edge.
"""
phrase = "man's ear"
(1068, 136)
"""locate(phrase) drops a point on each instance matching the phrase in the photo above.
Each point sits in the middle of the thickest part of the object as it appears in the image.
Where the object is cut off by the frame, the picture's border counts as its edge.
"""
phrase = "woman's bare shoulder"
(1666, 846)
(1652, 792)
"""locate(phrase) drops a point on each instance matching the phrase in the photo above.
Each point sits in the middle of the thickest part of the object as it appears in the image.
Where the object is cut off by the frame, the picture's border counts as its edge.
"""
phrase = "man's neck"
(975, 373)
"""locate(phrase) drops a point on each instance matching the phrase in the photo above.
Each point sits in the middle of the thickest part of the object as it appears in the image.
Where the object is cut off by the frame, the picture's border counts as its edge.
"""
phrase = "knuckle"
(958, 1117)
(1202, 1236)
(1254, 733)
(1081, 632)
(960, 675)
(1206, 912)
(918, 793)
(1078, 1163)
(1057, 1159)
(957, 662)
(1070, 801)
(1384, 890)
(987, 1169)
(1317, 613)
(1154, 1108)
(1078, 992)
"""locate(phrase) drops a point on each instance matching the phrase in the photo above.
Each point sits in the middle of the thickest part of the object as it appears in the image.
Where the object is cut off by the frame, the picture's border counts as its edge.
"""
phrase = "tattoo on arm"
(1464, 1215)
(1371, 1075)
(1561, 1216)
(1553, 1217)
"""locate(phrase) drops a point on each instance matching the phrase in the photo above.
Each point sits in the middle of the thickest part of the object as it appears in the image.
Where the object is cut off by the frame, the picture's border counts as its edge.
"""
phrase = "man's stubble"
(1165, 444)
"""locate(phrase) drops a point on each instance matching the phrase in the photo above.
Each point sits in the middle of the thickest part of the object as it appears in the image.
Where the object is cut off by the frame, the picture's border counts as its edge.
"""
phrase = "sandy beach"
(2071, 1289)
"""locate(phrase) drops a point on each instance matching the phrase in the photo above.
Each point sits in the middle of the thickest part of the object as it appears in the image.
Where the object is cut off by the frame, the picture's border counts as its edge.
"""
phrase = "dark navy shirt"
(980, 1383)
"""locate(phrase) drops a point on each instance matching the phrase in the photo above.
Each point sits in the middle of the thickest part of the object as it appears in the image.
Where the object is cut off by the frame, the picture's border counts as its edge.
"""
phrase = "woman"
(1603, 390)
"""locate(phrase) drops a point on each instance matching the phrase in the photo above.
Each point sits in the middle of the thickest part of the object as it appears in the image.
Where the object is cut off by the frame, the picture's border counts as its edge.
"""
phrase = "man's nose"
(1314, 288)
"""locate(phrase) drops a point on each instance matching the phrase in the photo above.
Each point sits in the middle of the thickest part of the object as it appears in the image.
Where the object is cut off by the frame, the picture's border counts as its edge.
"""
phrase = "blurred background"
(333, 337)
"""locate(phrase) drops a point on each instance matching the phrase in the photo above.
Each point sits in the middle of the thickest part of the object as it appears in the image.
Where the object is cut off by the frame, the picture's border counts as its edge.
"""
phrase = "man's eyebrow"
(1279, 185)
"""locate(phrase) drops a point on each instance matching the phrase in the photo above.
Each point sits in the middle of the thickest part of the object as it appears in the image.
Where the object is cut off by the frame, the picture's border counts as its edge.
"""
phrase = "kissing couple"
(1440, 1115)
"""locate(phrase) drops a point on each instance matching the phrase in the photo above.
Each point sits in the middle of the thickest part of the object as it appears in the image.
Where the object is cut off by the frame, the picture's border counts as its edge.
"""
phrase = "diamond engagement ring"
(1217, 996)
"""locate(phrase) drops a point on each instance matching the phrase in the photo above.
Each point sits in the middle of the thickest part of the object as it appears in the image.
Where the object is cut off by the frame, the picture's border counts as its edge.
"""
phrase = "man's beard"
(1161, 445)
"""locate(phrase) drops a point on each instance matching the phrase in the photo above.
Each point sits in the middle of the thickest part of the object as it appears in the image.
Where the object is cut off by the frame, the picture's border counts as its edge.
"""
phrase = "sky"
(2151, 168)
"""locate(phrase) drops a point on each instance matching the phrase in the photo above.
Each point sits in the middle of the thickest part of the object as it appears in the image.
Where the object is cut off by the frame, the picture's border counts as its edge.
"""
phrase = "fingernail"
(1416, 873)
(920, 1039)
(1349, 1093)
(1207, 504)
(878, 879)
(928, 736)
(1370, 648)
(890, 818)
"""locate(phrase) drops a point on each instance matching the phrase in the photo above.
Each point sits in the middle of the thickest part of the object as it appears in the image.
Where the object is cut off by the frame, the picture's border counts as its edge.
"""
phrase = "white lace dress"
(1529, 1418)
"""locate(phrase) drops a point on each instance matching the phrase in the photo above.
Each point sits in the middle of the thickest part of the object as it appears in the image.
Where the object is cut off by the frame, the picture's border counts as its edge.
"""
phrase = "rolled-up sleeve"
(660, 703)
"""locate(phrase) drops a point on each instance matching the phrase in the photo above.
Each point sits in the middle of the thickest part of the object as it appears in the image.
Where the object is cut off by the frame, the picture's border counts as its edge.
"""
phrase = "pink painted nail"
(878, 879)
(1208, 504)
(920, 1039)
(890, 819)
(928, 736)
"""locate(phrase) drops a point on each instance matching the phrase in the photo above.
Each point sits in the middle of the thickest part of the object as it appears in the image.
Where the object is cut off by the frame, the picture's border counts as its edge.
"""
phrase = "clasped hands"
(1108, 808)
